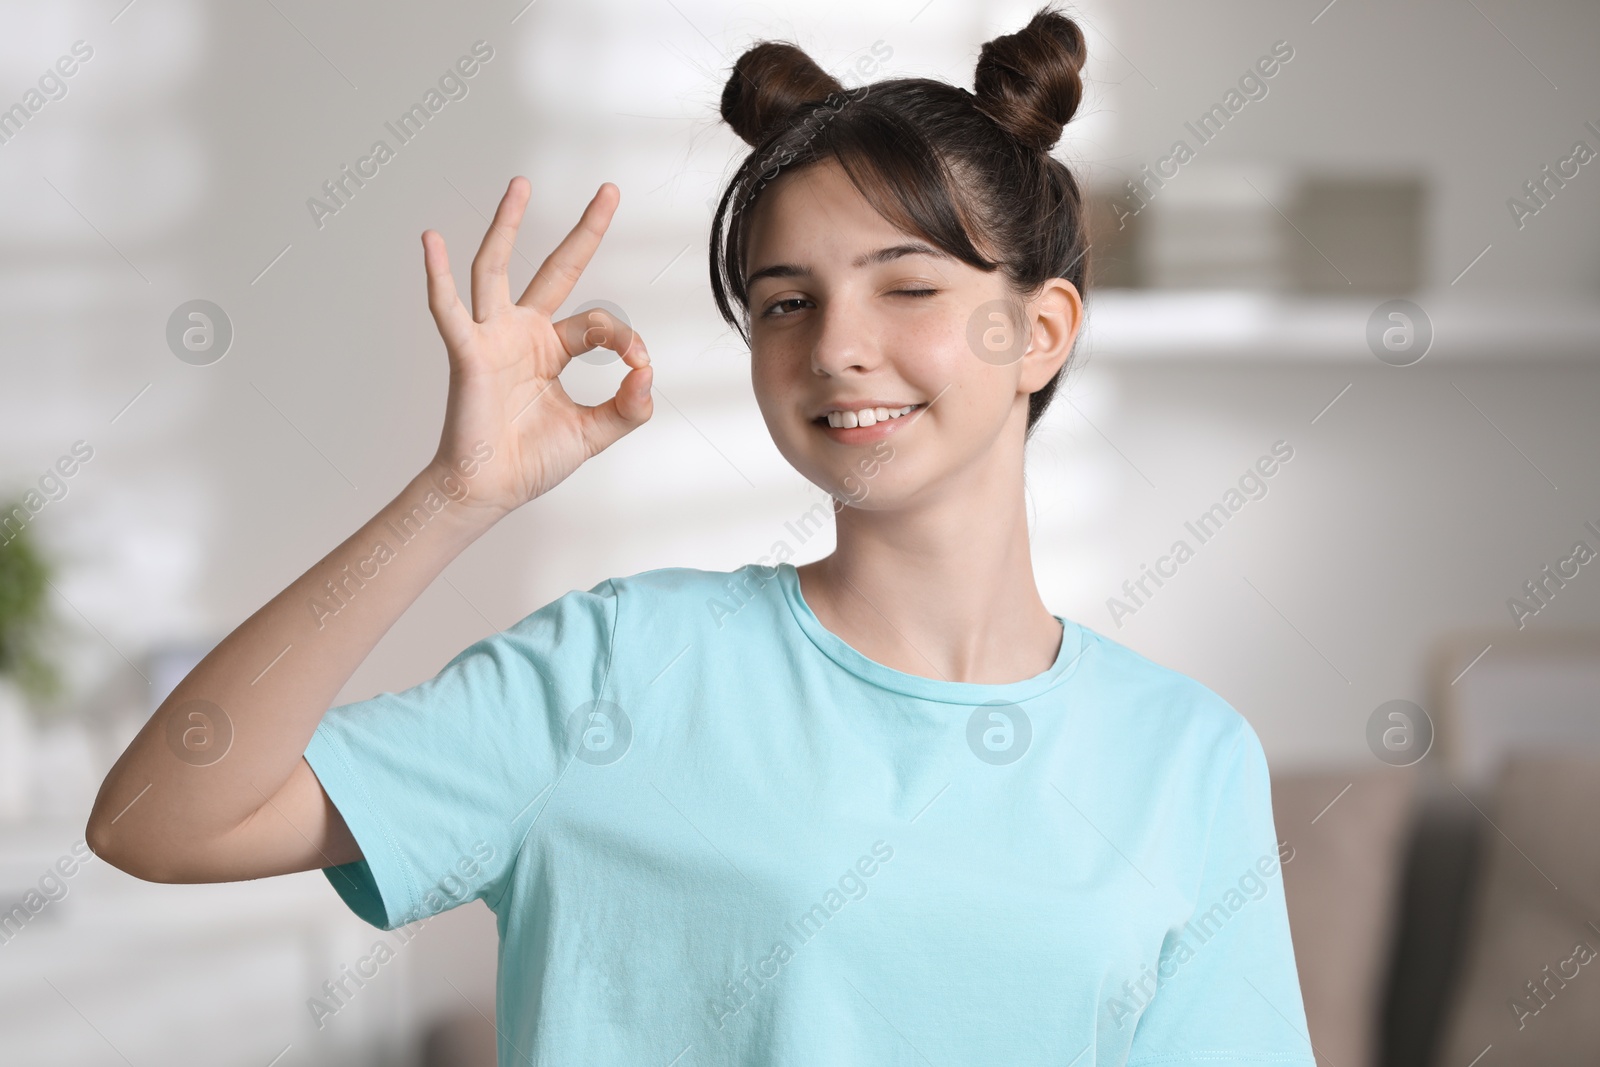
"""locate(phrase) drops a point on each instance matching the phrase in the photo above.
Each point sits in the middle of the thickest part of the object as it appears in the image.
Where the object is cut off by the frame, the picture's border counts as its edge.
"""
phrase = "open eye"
(768, 314)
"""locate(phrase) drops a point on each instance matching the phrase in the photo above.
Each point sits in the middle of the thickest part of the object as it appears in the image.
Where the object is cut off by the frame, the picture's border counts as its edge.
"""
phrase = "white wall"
(179, 163)
(186, 148)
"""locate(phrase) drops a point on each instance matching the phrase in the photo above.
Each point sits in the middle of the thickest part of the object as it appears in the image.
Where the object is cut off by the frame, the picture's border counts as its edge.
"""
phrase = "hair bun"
(768, 83)
(1028, 81)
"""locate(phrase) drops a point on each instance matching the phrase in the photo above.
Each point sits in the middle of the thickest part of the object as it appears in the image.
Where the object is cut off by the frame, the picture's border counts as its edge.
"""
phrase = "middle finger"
(490, 289)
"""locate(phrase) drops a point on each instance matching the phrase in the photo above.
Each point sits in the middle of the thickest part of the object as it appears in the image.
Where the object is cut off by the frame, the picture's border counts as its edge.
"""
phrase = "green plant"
(24, 615)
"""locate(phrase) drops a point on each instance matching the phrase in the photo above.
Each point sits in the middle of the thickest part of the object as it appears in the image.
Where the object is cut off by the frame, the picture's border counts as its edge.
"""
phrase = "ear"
(1054, 318)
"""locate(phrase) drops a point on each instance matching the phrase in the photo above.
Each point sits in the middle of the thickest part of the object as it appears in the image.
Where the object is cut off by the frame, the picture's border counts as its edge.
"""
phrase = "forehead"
(816, 209)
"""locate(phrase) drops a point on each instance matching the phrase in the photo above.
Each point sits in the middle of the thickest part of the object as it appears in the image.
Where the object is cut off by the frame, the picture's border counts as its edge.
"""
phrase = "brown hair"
(935, 160)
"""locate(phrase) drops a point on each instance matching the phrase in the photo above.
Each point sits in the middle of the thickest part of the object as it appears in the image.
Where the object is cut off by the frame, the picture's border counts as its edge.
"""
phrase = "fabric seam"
(1205, 856)
(1216, 807)
(336, 745)
(1224, 1056)
(605, 679)
(1067, 673)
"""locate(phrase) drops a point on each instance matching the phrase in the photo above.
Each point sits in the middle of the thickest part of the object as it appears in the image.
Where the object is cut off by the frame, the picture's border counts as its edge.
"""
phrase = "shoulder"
(668, 609)
(1177, 745)
(687, 590)
(662, 588)
(693, 620)
(1160, 690)
(625, 623)
(1171, 711)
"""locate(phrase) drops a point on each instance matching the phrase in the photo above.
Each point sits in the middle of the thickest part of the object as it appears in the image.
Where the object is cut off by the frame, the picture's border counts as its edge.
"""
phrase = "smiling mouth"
(844, 420)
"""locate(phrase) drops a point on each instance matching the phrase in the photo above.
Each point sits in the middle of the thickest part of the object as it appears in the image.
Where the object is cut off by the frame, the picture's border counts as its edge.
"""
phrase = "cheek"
(766, 378)
(774, 388)
(936, 355)
(940, 342)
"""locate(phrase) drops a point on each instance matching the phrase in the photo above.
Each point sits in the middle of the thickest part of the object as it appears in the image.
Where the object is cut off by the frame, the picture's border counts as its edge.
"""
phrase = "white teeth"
(866, 416)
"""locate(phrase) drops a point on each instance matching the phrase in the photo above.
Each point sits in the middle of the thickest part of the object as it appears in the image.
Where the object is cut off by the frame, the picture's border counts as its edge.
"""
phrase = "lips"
(856, 425)
(859, 405)
(866, 416)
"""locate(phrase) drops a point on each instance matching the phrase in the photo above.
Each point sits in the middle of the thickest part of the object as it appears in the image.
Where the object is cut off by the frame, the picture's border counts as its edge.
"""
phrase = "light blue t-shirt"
(714, 833)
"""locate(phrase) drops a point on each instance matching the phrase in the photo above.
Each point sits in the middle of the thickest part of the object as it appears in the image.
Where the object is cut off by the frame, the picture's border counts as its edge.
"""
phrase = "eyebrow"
(881, 255)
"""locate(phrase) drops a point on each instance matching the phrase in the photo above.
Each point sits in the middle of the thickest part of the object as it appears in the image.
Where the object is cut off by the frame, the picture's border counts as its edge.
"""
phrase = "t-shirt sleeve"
(1227, 987)
(441, 783)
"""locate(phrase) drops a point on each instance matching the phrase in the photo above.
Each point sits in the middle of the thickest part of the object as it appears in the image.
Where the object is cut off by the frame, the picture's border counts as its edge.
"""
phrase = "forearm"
(228, 744)
(230, 734)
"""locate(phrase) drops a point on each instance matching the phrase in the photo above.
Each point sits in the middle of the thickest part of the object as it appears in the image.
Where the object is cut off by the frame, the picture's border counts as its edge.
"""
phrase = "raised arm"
(215, 786)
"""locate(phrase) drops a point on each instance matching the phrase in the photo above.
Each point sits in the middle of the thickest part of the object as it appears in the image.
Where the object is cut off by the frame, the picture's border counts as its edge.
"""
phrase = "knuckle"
(558, 272)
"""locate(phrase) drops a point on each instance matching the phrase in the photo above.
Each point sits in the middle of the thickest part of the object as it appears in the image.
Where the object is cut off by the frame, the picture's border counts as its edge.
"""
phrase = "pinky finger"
(449, 314)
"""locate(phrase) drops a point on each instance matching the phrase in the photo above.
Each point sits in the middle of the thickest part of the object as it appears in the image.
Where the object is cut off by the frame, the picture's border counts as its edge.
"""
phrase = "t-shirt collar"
(971, 694)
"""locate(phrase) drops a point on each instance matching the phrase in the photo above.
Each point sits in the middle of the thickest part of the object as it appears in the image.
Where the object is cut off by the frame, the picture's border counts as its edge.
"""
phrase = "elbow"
(115, 845)
(107, 845)
(103, 842)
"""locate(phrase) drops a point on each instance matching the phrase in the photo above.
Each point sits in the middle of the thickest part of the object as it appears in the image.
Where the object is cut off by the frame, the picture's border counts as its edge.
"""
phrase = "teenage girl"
(880, 808)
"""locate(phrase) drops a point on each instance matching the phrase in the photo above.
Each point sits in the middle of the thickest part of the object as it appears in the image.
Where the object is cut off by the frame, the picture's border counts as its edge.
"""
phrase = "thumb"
(631, 407)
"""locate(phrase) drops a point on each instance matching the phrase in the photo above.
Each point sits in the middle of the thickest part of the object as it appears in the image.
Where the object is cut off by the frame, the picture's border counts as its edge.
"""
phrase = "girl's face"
(849, 314)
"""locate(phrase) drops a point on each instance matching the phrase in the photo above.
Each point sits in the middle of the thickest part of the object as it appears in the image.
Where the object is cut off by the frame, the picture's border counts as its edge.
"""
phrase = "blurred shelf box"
(1261, 228)
(1143, 325)
(1263, 263)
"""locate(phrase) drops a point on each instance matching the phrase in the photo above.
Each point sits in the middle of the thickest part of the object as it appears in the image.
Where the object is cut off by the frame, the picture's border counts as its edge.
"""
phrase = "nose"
(846, 339)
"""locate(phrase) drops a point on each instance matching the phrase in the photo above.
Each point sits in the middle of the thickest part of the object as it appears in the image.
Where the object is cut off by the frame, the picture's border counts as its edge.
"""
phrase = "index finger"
(553, 281)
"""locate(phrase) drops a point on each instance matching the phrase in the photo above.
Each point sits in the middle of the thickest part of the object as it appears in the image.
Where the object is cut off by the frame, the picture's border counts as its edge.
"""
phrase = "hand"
(505, 362)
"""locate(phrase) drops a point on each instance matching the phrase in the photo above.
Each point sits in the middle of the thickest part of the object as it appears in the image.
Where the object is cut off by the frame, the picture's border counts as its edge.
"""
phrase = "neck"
(941, 587)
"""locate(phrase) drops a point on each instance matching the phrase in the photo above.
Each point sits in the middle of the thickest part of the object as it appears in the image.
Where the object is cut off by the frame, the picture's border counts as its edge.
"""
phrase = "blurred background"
(1363, 234)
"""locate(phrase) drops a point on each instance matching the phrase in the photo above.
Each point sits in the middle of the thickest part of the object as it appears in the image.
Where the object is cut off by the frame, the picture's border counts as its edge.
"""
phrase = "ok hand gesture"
(506, 359)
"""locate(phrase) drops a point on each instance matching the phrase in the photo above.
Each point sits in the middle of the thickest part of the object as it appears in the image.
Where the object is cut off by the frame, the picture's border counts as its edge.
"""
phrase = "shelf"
(1213, 325)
